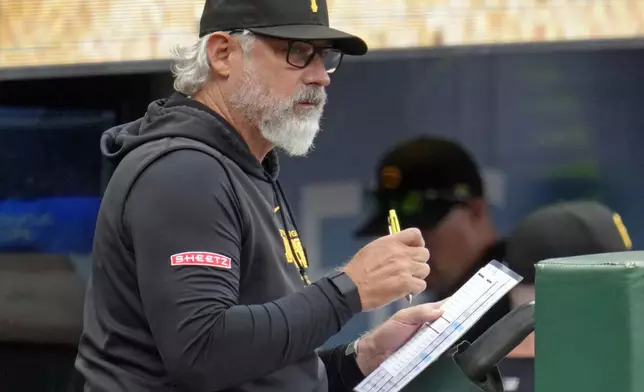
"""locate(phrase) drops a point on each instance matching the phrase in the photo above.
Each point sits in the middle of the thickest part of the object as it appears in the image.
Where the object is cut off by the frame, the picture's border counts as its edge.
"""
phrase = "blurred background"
(547, 94)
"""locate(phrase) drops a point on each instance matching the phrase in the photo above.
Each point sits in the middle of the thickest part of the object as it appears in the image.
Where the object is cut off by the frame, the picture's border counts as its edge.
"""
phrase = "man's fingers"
(417, 285)
(420, 270)
(410, 237)
(420, 254)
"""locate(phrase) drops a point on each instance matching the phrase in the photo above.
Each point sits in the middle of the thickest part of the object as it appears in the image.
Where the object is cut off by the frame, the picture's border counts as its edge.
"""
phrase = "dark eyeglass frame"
(317, 50)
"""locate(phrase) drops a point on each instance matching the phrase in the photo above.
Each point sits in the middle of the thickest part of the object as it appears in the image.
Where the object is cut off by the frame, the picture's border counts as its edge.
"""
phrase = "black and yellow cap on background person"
(304, 20)
(565, 229)
(423, 179)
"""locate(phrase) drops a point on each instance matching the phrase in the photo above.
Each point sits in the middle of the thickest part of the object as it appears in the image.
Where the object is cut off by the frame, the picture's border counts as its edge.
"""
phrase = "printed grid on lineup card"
(461, 311)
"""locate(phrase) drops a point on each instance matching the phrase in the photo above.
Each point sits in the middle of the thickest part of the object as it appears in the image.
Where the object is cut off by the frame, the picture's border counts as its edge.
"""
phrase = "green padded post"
(589, 327)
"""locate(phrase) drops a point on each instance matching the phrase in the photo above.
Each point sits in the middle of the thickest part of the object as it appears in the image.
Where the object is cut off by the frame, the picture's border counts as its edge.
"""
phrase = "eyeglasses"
(301, 53)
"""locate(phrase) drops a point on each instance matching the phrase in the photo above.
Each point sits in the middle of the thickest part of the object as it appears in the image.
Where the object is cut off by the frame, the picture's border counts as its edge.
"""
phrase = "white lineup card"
(461, 311)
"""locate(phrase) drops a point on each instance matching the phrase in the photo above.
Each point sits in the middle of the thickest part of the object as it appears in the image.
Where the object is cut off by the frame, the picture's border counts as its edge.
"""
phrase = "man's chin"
(295, 136)
(307, 113)
(297, 154)
(297, 150)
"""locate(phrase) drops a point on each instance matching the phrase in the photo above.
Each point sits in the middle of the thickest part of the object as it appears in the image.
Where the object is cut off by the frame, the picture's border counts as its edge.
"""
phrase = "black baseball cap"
(285, 19)
(422, 179)
(564, 229)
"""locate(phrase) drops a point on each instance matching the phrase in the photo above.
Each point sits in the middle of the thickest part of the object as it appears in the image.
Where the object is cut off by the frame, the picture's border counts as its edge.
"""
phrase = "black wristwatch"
(344, 284)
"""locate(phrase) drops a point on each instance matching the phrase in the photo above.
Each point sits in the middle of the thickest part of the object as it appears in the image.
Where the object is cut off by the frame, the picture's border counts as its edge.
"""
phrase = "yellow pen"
(394, 227)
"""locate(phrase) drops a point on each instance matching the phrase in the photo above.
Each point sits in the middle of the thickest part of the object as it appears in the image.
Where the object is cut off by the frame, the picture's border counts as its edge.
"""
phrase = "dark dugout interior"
(59, 158)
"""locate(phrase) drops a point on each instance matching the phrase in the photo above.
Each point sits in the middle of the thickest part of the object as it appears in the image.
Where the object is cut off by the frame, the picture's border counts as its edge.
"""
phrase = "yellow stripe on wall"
(55, 32)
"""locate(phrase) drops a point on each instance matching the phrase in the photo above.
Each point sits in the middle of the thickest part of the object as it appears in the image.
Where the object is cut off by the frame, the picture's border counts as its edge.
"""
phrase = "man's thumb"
(410, 237)
(420, 314)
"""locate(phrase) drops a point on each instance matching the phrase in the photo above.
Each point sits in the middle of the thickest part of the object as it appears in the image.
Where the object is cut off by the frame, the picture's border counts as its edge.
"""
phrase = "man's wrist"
(364, 354)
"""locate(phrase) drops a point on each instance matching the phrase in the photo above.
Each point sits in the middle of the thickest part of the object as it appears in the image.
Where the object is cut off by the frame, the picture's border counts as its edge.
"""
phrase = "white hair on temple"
(191, 67)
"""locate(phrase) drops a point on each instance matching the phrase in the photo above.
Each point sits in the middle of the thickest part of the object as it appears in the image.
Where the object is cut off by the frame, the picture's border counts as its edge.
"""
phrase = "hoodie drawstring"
(301, 264)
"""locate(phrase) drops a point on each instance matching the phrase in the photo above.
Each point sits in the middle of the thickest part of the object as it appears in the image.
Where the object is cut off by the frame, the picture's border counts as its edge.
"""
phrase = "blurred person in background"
(559, 230)
(199, 277)
(435, 184)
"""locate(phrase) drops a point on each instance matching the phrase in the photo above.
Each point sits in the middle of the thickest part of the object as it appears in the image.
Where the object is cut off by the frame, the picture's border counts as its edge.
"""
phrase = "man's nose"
(316, 73)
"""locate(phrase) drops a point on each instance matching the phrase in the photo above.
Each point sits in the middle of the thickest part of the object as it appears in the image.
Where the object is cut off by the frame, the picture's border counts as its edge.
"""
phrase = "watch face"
(343, 282)
(345, 286)
(351, 349)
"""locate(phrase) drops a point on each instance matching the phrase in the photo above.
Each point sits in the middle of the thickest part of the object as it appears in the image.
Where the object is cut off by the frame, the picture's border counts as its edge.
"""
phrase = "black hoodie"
(198, 278)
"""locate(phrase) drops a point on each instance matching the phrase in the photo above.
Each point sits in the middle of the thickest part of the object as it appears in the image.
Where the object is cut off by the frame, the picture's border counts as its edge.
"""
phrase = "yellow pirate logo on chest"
(294, 251)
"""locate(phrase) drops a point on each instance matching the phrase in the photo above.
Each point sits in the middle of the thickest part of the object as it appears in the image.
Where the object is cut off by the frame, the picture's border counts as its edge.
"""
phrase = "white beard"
(280, 121)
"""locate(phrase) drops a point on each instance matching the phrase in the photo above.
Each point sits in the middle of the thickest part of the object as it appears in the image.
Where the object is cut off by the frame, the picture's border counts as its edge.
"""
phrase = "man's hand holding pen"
(390, 268)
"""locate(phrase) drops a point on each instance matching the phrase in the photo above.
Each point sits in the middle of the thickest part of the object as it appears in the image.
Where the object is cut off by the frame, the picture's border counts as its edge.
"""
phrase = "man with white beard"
(199, 278)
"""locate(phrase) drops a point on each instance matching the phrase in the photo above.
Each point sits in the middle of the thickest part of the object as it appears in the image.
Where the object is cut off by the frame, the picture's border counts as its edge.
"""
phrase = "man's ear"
(220, 47)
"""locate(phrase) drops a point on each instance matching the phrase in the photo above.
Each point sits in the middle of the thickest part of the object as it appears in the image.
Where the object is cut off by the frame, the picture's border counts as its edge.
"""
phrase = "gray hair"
(191, 67)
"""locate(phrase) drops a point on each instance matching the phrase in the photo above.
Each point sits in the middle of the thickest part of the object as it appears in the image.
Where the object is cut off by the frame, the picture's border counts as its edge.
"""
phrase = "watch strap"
(348, 289)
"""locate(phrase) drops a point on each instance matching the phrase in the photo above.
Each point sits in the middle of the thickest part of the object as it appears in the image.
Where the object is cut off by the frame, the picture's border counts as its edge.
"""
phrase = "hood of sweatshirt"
(189, 119)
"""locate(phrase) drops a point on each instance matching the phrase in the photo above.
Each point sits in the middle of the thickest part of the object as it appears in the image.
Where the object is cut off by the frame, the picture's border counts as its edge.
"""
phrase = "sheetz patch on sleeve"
(207, 259)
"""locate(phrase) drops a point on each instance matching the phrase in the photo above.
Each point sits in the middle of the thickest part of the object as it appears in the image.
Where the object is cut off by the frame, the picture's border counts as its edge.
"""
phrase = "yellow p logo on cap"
(314, 6)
